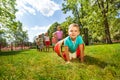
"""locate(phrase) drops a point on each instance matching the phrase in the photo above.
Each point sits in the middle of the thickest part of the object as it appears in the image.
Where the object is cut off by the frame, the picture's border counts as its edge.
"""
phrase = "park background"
(99, 22)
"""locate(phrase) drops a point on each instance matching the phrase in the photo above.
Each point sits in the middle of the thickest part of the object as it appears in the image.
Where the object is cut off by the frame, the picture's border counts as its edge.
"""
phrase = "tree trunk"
(86, 36)
(107, 32)
(21, 45)
(104, 11)
(11, 46)
(0, 46)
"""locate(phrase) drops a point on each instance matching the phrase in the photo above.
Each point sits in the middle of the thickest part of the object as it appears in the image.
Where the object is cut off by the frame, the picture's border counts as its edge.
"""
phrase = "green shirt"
(73, 45)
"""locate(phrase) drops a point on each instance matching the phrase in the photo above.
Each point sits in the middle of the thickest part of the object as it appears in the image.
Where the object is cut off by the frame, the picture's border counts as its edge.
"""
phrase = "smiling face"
(73, 31)
(58, 28)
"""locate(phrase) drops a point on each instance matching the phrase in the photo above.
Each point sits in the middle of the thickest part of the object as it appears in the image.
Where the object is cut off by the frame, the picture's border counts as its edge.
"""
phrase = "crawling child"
(73, 45)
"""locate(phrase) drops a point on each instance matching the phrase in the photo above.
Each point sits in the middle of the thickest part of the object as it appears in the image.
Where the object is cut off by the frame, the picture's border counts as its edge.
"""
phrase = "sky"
(37, 15)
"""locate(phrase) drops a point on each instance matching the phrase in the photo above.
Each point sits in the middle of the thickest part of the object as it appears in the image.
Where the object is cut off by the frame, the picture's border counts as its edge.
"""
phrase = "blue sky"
(37, 15)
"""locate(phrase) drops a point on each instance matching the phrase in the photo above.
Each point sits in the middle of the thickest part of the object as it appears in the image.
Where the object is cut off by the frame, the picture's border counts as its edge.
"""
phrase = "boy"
(54, 39)
(73, 45)
(41, 43)
(47, 41)
(37, 43)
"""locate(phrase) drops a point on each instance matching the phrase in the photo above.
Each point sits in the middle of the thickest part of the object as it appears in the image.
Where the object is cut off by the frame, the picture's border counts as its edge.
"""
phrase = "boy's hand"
(68, 62)
(82, 60)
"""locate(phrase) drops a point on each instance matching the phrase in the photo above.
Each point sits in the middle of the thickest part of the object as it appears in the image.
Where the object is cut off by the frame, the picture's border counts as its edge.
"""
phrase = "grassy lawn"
(102, 62)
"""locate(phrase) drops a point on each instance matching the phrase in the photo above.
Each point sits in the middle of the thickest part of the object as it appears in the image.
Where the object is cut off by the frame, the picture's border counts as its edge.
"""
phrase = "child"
(73, 45)
(54, 39)
(37, 43)
(47, 41)
(41, 43)
(59, 33)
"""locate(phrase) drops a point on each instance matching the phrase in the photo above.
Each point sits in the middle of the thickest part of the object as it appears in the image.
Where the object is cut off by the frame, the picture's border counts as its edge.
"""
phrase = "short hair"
(58, 26)
(74, 25)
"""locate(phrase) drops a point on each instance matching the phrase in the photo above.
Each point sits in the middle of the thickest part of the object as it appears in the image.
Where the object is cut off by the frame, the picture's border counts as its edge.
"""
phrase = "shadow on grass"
(95, 61)
(7, 53)
(89, 60)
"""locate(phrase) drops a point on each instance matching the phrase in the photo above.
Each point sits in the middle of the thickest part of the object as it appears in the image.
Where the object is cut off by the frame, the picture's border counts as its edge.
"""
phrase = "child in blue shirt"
(73, 45)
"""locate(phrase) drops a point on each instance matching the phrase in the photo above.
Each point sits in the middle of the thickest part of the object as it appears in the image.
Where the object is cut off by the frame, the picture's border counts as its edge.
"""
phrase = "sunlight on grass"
(102, 62)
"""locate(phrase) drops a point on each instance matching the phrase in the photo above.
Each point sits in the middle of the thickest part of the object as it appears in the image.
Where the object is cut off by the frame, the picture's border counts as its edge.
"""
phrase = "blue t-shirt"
(73, 45)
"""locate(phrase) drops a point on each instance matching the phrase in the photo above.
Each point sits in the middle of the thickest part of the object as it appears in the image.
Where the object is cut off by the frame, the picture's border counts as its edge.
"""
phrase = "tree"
(53, 28)
(19, 35)
(7, 16)
(2, 39)
(65, 25)
(115, 29)
(7, 12)
(95, 15)
(103, 7)
(12, 29)
(76, 6)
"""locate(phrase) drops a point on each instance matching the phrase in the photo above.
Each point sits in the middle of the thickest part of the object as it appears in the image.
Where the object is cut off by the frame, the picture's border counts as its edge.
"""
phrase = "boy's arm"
(81, 46)
(67, 53)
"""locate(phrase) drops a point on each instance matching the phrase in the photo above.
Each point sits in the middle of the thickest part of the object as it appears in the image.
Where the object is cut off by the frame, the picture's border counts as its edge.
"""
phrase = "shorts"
(72, 55)
(60, 53)
(47, 43)
(41, 46)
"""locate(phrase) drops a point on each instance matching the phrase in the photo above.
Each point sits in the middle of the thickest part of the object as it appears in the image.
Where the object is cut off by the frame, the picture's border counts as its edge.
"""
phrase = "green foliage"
(12, 29)
(65, 25)
(97, 16)
(115, 29)
(73, 6)
(53, 28)
(7, 10)
(102, 62)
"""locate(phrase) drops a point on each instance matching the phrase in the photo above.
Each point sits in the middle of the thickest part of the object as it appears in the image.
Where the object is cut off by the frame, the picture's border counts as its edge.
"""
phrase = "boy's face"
(58, 28)
(73, 32)
(46, 34)
(40, 36)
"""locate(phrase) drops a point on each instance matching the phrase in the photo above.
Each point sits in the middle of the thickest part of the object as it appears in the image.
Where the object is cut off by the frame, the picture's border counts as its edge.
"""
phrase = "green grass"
(102, 62)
